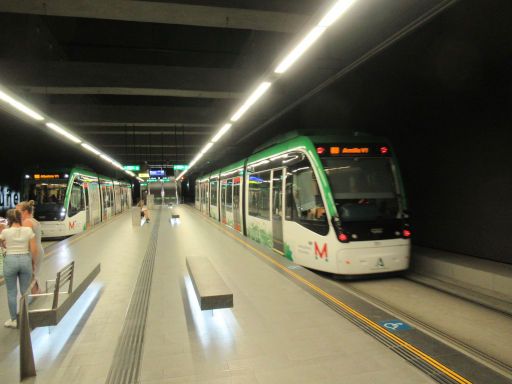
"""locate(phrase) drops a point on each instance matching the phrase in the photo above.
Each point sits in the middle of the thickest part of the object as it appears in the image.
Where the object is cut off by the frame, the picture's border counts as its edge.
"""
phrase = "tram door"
(222, 201)
(87, 207)
(236, 204)
(277, 209)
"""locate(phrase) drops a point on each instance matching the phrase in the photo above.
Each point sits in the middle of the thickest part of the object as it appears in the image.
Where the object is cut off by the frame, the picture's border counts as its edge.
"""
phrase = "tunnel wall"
(445, 102)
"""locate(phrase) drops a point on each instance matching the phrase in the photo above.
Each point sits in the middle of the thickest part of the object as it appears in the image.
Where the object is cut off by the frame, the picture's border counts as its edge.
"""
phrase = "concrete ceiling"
(149, 81)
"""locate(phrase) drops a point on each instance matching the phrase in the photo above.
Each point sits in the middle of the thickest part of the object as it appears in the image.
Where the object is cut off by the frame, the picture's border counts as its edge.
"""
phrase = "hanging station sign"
(131, 168)
(157, 173)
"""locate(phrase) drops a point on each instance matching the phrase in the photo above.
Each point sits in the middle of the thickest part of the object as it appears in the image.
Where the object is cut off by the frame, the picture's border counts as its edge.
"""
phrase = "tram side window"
(111, 189)
(236, 193)
(106, 197)
(213, 191)
(304, 203)
(259, 195)
(229, 195)
(106, 200)
(76, 200)
(196, 190)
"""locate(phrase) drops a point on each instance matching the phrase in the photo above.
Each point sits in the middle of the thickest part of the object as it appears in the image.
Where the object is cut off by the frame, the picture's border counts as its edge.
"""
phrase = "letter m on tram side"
(321, 253)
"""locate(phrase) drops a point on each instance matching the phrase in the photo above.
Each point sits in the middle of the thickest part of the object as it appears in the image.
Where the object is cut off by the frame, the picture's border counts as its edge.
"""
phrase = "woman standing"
(27, 216)
(20, 260)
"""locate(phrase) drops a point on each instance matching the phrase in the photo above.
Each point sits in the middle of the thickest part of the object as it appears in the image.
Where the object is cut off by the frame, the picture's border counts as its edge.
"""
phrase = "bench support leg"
(27, 365)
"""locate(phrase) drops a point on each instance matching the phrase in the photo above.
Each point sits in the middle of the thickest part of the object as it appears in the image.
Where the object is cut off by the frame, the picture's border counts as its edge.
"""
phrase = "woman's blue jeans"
(16, 267)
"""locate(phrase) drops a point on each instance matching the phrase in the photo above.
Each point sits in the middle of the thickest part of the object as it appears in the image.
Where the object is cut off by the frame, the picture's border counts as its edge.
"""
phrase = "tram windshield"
(364, 189)
(49, 197)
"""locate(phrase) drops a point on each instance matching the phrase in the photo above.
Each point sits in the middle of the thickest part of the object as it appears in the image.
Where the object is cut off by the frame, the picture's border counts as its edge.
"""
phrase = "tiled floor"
(276, 332)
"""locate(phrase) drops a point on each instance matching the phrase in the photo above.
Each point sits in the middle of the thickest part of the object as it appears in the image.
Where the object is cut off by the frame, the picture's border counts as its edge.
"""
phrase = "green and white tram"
(73, 200)
(333, 204)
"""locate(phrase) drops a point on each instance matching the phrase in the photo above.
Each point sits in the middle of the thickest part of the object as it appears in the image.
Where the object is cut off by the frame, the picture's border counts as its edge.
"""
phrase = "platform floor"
(277, 332)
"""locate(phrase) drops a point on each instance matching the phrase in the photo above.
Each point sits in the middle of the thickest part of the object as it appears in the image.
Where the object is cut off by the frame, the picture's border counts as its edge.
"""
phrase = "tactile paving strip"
(125, 366)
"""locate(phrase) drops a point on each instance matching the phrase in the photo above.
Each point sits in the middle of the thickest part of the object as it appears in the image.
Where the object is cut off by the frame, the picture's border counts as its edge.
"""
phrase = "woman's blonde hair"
(13, 217)
(27, 206)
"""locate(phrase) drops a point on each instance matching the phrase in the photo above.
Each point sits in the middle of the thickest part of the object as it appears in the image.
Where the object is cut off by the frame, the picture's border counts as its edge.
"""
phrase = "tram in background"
(70, 201)
(333, 204)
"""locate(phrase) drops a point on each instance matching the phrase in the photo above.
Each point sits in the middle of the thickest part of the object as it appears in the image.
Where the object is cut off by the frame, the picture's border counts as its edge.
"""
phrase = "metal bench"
(210, 289)
(42, 314)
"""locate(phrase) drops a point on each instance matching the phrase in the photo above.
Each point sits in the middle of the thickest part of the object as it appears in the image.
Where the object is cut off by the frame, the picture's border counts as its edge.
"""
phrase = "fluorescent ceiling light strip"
(221, 133)
(302, 47)
(207, 147)
(106, 158)
(56, 128)
(91, 148)
(20, 107)
(63, 132)
(262, 88)
(335, 12)
(196, 159)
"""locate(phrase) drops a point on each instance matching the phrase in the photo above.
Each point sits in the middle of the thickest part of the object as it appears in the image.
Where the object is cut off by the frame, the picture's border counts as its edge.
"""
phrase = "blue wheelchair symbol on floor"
(395, 325)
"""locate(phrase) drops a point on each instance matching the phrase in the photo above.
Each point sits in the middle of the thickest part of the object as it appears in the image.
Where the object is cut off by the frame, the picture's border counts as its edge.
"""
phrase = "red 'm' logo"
(321, 253)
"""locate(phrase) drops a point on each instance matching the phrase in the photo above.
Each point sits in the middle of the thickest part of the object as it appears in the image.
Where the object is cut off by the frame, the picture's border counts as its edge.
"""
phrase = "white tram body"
(330, 204)
(72, 201)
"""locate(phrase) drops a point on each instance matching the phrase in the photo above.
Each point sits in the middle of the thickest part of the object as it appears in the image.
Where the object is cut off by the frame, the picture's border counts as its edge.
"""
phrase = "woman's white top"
(17, 240)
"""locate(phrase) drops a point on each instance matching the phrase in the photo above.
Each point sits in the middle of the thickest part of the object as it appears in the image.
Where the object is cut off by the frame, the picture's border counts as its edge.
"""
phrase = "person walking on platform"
(144, 212)
(20, 261)
(27, 215)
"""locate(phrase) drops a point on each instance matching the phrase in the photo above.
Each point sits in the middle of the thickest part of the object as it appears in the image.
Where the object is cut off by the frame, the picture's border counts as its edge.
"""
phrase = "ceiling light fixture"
(221, 133)
(118, 165)
(206, 148)
(334, 13)
(106, 158)
(20, 106)
(302, 47)
(91, 148)
(260, 91)
(63, 132)
(55, 127)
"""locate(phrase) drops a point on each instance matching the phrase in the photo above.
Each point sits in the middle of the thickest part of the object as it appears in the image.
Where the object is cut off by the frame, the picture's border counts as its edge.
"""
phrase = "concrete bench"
(210, 289)
(46, 310)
